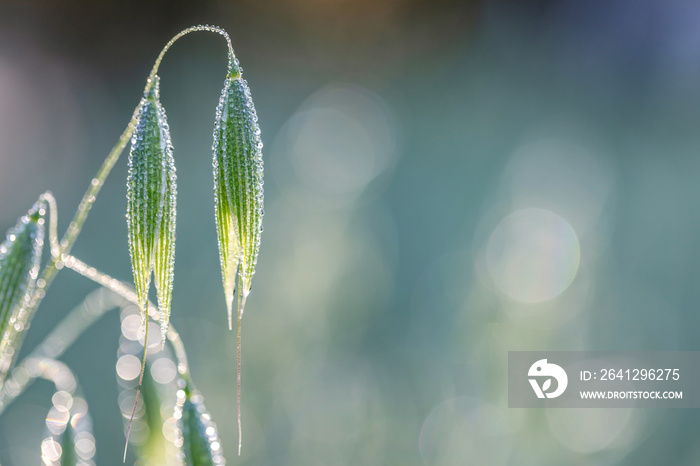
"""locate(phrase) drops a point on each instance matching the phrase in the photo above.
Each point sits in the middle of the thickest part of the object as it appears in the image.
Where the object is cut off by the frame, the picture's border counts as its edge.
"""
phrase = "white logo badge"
(542, 369)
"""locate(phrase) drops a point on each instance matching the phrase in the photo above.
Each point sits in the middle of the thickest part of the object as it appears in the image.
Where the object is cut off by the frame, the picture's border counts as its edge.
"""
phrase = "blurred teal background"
(445, 181)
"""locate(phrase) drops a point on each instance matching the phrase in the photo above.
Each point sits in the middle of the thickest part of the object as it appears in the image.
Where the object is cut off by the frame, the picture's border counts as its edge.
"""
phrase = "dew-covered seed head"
(238, 185)
(151, 203)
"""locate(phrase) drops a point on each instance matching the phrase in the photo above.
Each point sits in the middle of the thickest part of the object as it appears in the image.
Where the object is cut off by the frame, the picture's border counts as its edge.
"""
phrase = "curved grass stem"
(76, 225)
(54, 248)
(113, 294)
(232, 61)
(128, 293)
(66, 332)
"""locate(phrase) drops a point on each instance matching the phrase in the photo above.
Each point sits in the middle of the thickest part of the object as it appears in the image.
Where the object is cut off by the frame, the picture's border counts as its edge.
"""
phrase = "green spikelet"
(20, 256)
(238, 186)
(238, 192)
(151, 202)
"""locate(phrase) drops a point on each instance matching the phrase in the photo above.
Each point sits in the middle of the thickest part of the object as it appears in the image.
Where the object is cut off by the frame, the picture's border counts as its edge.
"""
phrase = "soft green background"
(445, 181)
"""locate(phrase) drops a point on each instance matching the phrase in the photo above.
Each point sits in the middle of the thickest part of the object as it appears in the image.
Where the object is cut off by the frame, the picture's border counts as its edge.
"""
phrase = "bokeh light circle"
(332, 149)
(533, 255)
(563, 174)
(163, 370)
(128, 367)
(590, 430)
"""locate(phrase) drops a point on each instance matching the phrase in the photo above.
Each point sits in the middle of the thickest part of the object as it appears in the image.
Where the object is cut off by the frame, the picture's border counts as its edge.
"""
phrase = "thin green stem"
(53, 224)
(80, 318)
(233, 66)
(76, 225)
(113, 294)
(63, 380)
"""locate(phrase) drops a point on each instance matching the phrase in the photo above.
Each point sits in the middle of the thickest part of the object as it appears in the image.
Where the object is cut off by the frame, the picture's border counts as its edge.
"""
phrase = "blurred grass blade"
(68, 456)
(152, 435)
(20, 256)
(68, 438)
(152, 447)
(151, 203)
(200, 442)
(238, 186)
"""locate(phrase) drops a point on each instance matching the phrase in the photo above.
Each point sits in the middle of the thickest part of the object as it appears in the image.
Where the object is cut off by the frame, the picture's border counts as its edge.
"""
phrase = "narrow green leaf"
(200, 442)
(151, 203)
(20, 256)
(238, 186)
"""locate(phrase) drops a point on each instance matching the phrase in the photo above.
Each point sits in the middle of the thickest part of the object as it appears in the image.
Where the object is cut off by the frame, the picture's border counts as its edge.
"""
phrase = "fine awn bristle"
(20, 256)
(68, 435)
(151, 204)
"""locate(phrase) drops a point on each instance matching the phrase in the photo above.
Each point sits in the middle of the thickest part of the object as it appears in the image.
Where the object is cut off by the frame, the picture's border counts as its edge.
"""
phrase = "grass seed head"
(238, 186)
(151, 204)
